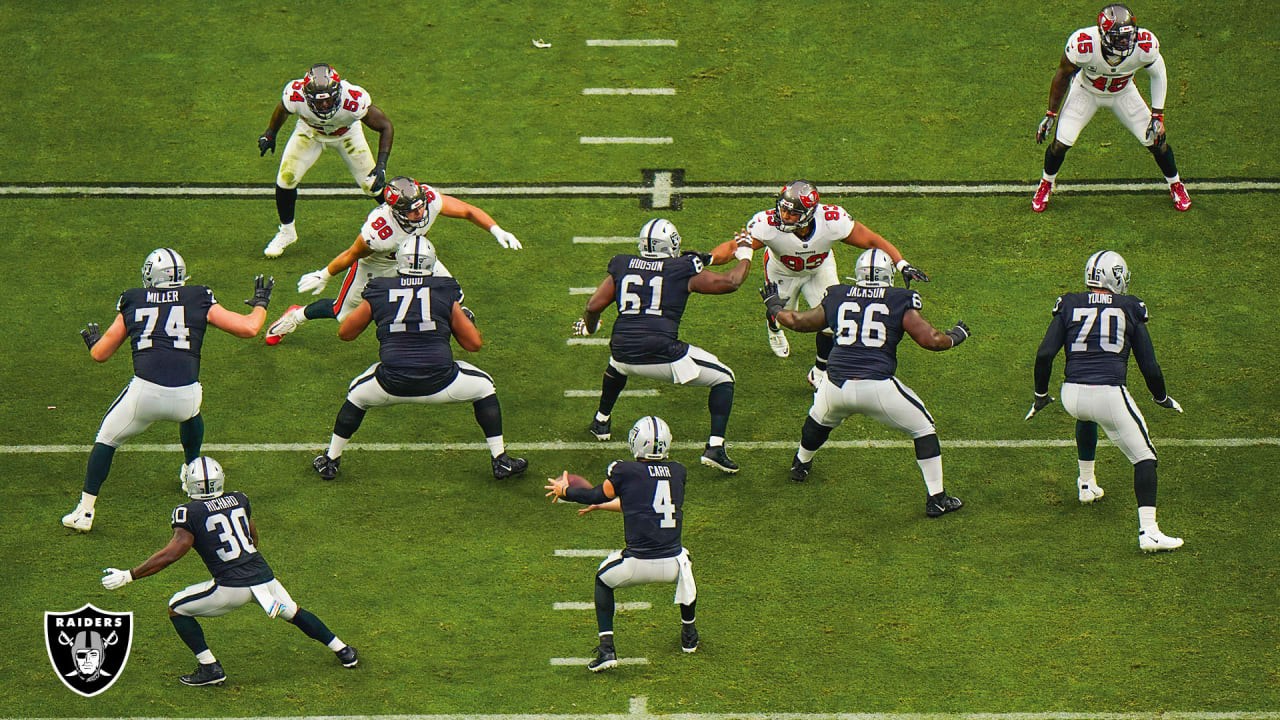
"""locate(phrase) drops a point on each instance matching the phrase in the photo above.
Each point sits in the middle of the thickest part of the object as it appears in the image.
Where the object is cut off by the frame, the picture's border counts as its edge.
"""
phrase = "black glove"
(91, 335)
(1040, 402)
(910, 273)
(1168, 403)
(958, 334)
(470, 315)
(261, 292)
(772, 302)
(379, 176)
(266, 141)
(705, 257)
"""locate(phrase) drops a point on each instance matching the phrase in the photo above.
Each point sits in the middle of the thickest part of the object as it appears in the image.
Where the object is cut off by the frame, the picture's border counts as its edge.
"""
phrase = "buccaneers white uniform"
(799, 266)
(312, 135)
(1101, 84)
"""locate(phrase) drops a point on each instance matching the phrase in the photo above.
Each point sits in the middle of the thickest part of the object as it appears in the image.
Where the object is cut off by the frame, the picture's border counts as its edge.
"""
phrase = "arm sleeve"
(1054, 337)
(1145, 354)
(1159, 82)
(586, 496)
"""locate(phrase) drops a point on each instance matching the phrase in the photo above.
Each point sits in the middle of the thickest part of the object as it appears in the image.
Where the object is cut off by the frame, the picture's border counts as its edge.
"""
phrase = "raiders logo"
(88, 647)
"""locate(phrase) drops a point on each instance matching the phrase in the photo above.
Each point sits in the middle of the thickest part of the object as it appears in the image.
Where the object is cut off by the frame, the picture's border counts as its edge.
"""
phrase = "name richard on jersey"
(221, 503)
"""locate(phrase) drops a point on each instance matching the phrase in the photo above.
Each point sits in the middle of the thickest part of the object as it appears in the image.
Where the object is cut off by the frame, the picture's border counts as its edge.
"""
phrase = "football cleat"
(778, 343)
(182, 476)
(210, 674)
(326, 466)
(285, 324)
(800, 470)
(285, 237)
(1153, 540)
(347, 656)
(504, 466)
(716, 457)
(1089, 491)
(81, 520)
(606, 657)
(600, 428)
(941, 504)
(1181, 201)
(1040, 200)
(689, 638)
(816, 377)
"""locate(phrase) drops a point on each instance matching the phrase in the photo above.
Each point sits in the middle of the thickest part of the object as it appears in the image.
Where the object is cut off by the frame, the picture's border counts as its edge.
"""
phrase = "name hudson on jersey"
(650, 265)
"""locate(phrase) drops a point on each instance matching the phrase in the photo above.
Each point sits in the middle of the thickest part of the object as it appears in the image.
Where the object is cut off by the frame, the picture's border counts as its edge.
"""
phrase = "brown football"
(578, 481)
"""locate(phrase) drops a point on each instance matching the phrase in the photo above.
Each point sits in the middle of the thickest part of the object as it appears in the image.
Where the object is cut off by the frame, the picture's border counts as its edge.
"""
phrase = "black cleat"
(347, 656)
(941, 504)
(606, 657)
(689, 638)
(716, 457)
(210, 674)
(504, 466)
(600, 429)
(800, 470)
(326, 466)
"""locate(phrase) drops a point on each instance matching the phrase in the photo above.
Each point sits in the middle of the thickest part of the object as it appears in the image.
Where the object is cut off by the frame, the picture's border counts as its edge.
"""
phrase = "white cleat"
(287, 323)
(1154, 540)
(182, 477)
(816, 377)
(78, 519)
(285, 237)
(1088, 491)
(778, 343)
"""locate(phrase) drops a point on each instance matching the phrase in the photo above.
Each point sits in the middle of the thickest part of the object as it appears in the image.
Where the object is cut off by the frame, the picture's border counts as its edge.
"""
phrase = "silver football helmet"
(322, 89)
(659, 239)
(164, 268)
(1118, 29)
(204, 479)
(408, 203)
(797, 196)
(650, 438)
(874, 268)
(1107, 270)
(416, 256)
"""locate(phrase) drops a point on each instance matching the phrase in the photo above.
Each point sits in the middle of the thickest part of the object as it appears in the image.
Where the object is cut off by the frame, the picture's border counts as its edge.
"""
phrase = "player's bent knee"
(928, 447)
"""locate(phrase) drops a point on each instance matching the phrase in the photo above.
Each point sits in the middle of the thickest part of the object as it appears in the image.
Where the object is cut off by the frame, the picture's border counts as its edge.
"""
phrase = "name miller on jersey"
(154, 296)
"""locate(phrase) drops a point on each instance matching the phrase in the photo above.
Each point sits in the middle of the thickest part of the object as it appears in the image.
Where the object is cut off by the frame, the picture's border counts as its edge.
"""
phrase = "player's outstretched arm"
(267, 140)
(931, 338)
(599, 300)
(453, 207)
(811, 320)
(713, 283)
(464, 330)
(378, 121)
(103, 347)
(1054, 337)
(178, 546)
(244, 326)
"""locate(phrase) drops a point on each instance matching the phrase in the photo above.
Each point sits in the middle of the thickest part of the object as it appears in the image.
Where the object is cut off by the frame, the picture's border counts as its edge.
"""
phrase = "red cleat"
(1181, 201)
(1041, 199)
(286, 324)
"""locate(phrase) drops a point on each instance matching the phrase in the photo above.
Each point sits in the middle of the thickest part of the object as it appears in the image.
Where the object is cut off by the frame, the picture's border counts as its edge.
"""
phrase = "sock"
(191, 633)
(1164, 158)
(87, 501)
(1086, 473)
(601, 418)
(312, 626)
(610, 388)
(191, 433)
(715, 441)
(206, 658)
(318, 310)
(686, 613)
(812, 436)
(1144, 483)
(1053, 160)
(496, 446)
(720, 404)
(929, 458)
(489, 415)
(1147, 517)
(335, 644)
(1174, 179)
(604, 610)
(286, 199)
(99, 466)
(337, 444)
(804, 454)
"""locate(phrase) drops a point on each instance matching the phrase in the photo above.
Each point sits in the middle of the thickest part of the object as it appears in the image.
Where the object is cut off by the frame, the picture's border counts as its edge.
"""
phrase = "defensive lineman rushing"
(416, 312)
(1099, 328)
(650, 291)
(330, 111)
(219, 525)
(649, 493)
(867, 321)
(800, 235)
(1098, 65)
(165, 321)
(409, 209)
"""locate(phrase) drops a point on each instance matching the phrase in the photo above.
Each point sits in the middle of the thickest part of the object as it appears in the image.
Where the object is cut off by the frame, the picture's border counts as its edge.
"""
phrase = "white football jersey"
(383, 234)
(831, 225)
(353, 105)
(1084, 50)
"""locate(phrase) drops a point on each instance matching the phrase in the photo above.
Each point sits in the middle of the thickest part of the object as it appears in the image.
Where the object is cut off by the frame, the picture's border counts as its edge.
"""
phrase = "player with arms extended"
(867, 321)
(1098, 66)
(1099, 328)
(649, 493)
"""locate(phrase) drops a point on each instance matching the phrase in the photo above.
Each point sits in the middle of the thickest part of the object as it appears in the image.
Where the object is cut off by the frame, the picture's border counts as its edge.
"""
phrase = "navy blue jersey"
(867, 322)
(1100, 329)
(650, 295)
(414, 315)
(221, 529)
(652, 500)
(166, 329)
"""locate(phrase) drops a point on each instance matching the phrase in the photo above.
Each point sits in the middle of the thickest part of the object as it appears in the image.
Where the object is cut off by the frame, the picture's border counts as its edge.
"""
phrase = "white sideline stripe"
(628, 91)
(583, 553)
(581, 290)
(592, 606)
(590, 140)
(631, 43)
(606, 239)
(578, 661)
(638, 710)
(624, 393)
(566, 445)
(587, 341)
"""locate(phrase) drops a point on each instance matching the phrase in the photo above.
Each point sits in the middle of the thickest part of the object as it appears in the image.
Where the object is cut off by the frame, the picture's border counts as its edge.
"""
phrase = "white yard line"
(628, 91)
(625, 140)
(624, 393)
(606, 239)
(584, 661)
(587, 341)
(632, 43)
(581, 290)
(592, 606)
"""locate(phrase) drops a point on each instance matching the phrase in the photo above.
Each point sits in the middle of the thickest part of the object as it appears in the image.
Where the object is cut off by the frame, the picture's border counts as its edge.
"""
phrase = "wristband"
(902, 264)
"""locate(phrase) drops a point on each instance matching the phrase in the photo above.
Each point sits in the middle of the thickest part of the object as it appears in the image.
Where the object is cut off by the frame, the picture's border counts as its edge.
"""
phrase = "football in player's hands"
(577, 481)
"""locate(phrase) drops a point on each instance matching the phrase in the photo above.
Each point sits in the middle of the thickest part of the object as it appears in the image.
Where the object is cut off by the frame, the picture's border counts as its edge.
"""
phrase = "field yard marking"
(632, 43)
(596, 393)
(628, 91)
(571, 661)
(587, 341)
(606, 240)
(596, 140)
(592, 606)
(584, 553)
(581, 290)
(570, 445)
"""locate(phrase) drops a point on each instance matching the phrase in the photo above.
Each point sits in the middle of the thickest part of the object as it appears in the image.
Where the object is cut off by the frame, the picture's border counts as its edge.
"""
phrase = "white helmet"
(874, 268)
(659, 239)
(164, 268)
(204, 479)
(1107, 270)
(650, 438)
(416, 256)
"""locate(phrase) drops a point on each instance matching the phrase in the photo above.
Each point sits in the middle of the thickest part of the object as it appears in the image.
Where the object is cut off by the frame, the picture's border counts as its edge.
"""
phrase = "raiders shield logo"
(88, 647)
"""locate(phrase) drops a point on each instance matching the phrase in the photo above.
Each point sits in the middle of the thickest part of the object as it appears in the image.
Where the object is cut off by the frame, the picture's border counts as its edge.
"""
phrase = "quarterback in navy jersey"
(1099, 329)
(649, 493)
(650, 291)
(165, 322)
(868, 320)
(416, 313)
(219, 525)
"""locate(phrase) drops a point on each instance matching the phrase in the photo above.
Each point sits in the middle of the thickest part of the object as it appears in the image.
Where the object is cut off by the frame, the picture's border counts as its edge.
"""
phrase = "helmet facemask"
(322, 89)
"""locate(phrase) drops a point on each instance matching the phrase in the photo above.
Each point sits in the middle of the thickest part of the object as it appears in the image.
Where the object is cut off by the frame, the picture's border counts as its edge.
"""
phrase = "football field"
(135, 128)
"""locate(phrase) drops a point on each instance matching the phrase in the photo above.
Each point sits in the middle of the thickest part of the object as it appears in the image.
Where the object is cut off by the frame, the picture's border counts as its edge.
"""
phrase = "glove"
(743, 250)
(314, 282)
(910, 273)
(1040, 402)
(772, 302)
(958, 334)
(115, 578)
(1169, 402)
(91, 335)
(266, 141)
(1046, 126)
(580, 328)
(505, 239)
(704, 257)
(470, 315)
(261, 292)
(379, 176)
(1155, 129)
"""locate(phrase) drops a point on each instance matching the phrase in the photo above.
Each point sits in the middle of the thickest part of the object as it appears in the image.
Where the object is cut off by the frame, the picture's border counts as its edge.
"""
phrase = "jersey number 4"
(662, 504)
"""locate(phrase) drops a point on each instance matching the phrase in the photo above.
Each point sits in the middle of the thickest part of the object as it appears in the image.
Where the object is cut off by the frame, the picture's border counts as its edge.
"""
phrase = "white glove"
(115, 578)
(314, 282)
(505, 239)
(580, 328)
(743, 250)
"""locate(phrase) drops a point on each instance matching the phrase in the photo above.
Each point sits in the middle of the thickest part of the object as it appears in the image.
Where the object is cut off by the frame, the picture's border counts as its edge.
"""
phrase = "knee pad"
(928, 447)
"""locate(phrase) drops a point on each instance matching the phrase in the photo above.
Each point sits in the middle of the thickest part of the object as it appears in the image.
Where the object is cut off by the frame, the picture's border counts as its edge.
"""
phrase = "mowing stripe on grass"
(592, 606)
(632, 43)
(628, 91)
